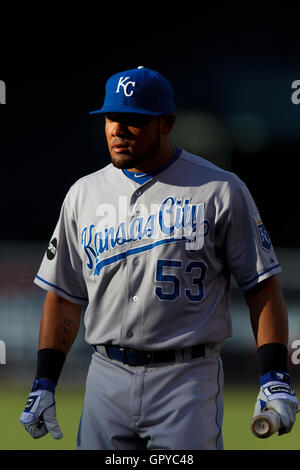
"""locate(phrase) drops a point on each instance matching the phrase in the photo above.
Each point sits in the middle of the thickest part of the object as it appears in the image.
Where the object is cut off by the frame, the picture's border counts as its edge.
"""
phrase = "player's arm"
(268, 312)
(59, 323)
(58, 329)
(269, 320)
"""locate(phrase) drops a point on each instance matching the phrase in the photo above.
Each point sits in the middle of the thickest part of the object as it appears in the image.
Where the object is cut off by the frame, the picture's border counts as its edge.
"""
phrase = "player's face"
(132, 138)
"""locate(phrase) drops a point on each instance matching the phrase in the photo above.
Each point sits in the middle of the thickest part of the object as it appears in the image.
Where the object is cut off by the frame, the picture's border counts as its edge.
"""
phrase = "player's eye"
(129, 119)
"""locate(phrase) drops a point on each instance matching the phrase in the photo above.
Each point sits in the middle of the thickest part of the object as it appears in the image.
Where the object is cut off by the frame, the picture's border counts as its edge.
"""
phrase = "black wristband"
(49, 364)
(273, 356)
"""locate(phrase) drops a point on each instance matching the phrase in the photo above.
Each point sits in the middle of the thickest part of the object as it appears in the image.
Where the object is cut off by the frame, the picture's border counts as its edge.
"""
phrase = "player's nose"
(119, 130)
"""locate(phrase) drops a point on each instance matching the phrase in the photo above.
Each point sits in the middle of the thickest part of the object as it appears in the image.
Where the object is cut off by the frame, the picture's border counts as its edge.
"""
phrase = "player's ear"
(167, 122)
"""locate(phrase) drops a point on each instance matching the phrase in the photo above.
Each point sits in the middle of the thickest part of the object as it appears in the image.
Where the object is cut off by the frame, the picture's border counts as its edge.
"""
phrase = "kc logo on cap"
(123, 83)
(140, 90)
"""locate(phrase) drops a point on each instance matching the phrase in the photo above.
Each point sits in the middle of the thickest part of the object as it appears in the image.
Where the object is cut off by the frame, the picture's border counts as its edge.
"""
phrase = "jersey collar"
(142, 178)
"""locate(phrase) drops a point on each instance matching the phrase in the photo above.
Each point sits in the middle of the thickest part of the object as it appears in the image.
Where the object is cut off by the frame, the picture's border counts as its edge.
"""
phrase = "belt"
(134, 357)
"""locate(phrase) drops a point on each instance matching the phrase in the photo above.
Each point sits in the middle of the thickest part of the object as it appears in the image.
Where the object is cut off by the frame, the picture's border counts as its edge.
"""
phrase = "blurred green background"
(238, 401)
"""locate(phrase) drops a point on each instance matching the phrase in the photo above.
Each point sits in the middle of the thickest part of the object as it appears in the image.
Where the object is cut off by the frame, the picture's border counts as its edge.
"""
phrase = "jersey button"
(136, 262)
(129, 334)
(138, 193)
(135, 298)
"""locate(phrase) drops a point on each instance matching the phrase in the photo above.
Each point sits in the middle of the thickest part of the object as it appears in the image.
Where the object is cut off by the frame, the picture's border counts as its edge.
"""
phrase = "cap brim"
(125, 109)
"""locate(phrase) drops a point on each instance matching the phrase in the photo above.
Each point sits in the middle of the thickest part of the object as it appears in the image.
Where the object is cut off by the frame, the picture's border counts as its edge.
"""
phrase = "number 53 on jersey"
(169, 280)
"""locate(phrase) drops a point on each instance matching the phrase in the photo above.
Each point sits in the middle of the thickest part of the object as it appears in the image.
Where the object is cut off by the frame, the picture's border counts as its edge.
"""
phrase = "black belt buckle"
(131, 358)
(164, 356)
(138, 358)
(146, 358)
(198, 351)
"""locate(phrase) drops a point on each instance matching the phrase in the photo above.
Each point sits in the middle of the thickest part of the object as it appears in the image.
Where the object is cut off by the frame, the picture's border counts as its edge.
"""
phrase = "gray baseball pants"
(176, 406)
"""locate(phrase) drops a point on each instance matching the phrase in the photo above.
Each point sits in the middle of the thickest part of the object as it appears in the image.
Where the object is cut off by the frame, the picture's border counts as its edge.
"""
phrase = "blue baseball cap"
(140, 90)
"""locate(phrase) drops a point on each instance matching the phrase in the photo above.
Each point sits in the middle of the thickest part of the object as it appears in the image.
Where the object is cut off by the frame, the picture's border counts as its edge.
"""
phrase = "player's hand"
(39, 415)
(277, 394)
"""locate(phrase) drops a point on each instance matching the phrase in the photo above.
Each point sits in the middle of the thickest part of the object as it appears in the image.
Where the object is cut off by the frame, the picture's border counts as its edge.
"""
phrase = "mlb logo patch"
(265, 240)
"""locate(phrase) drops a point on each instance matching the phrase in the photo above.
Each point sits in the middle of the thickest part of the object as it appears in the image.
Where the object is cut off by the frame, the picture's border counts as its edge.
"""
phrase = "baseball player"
(147, 246)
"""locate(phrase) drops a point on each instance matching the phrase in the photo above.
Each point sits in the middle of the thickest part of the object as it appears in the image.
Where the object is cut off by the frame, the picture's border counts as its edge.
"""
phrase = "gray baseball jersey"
(151, 257)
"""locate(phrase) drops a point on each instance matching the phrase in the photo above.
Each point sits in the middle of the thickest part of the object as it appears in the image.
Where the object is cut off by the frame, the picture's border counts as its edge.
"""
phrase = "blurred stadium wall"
(21, 304)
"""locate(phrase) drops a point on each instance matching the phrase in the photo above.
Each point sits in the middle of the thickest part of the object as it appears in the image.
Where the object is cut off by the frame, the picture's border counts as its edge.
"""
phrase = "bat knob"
(265, 424)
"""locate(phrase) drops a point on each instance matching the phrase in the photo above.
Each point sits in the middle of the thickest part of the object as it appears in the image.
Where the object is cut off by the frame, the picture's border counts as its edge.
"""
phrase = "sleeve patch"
(264, 237)
(52, 248)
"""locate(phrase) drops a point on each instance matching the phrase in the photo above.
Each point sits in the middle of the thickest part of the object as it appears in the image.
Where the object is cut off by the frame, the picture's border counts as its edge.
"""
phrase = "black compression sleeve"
(273, 356)
(49, 364)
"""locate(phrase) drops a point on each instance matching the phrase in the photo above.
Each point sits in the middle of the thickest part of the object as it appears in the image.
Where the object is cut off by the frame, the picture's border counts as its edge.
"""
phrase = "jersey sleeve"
(249, 251)
(61, 268)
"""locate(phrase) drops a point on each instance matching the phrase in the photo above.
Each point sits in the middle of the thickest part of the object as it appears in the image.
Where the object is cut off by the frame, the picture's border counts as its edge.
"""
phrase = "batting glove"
(39, 415)
(277, 394)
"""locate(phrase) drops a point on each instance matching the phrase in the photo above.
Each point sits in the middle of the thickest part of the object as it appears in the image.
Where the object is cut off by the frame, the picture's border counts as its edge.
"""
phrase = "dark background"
(225, 62)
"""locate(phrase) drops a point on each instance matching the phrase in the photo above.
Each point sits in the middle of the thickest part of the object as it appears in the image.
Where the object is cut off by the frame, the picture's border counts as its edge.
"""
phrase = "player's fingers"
(52, 424)
(36, 430)
(287, 421)
(260, 404)
(54, 430)
(286, 413)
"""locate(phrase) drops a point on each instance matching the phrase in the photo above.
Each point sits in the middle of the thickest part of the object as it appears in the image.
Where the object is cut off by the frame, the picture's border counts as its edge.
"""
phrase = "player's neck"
(157, 160)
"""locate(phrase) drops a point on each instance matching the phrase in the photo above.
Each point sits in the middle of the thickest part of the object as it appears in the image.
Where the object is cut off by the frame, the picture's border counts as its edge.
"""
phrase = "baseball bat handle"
(265, 424)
